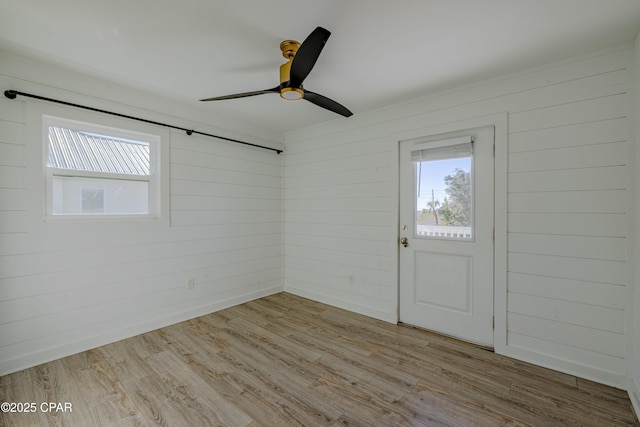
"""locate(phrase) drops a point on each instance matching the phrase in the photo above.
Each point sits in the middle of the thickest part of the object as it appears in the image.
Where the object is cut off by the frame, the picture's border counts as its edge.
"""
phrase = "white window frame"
(153, 179)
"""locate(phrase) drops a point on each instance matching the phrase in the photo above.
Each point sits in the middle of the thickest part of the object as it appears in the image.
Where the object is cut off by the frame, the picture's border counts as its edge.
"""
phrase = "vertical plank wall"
(566, 217)
(66, 287)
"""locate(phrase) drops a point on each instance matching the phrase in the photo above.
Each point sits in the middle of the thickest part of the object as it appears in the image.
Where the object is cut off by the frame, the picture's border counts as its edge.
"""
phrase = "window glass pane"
(84, 151)
(444, 195)
(99, 196)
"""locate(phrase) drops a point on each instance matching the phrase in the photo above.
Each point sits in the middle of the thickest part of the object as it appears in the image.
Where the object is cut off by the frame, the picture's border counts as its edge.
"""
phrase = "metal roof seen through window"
(77, 150)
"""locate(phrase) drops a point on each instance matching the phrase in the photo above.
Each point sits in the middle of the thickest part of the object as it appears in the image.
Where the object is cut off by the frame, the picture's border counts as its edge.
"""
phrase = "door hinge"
(493, 322)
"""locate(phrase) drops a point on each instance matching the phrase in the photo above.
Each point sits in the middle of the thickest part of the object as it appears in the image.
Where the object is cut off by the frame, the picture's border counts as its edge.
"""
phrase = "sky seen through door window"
(431, 176)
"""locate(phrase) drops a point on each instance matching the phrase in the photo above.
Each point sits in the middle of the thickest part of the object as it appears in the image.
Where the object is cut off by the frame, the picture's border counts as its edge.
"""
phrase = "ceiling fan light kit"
(291, 93)
(300, 61)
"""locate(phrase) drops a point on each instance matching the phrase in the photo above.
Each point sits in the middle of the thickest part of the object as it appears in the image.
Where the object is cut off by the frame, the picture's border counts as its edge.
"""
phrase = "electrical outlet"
(191, 283)
(352, 279)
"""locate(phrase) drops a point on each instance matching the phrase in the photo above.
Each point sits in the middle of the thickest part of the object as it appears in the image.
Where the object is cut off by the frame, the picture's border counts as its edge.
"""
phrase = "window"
(444, 189)
(97, 171)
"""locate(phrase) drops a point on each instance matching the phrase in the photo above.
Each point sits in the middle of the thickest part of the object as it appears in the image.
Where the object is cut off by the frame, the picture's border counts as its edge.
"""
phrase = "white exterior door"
(446, 234)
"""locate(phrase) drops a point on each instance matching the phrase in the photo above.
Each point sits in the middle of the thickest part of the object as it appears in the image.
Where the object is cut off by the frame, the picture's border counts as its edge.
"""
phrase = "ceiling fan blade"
(307, 55)
(329, 104)
(243, 95)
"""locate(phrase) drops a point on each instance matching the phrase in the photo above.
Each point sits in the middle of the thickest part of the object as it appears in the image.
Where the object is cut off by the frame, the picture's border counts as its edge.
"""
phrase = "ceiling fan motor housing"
(289, 49)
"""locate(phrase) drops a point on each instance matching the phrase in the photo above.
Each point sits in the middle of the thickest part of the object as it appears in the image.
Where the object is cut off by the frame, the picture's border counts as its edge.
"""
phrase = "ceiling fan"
(300, 60)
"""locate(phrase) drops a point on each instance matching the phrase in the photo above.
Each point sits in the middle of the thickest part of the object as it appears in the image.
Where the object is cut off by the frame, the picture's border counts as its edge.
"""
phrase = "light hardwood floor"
(284, 360)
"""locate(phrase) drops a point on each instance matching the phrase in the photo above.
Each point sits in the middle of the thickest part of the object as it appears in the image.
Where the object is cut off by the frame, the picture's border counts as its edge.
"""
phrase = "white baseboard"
(617, 380)
(25, 361)
(345, 305)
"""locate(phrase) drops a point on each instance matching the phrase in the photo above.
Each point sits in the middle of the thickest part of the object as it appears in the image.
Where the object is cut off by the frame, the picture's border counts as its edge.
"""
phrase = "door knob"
(404, 241)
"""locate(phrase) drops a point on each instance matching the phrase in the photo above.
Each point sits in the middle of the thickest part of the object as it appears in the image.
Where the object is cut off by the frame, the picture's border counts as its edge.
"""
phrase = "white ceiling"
(380, 52)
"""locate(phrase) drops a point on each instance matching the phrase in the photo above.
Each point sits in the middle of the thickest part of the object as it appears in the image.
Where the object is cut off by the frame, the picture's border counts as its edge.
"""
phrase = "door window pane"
(444, 192)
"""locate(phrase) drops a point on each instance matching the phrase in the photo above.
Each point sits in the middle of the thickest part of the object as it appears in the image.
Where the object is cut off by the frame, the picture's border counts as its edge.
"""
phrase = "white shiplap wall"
(69, 286)
(337, 225)
(566, 220)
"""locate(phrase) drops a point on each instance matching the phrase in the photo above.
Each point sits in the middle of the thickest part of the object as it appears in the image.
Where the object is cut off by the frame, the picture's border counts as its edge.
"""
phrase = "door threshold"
(452, 337)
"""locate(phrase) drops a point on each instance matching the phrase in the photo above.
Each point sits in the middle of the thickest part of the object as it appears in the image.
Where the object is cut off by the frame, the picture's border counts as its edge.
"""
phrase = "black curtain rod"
(11, 94)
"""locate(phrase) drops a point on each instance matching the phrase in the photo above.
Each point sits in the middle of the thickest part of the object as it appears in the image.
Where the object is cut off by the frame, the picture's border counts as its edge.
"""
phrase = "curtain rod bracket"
(12, 94)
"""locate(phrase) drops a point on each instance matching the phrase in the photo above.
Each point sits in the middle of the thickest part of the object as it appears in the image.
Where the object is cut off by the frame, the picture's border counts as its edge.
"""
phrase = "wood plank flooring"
(287, 361)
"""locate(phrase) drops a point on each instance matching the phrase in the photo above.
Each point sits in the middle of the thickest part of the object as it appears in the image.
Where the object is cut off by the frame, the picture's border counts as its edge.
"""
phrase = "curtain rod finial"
(11, 94)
